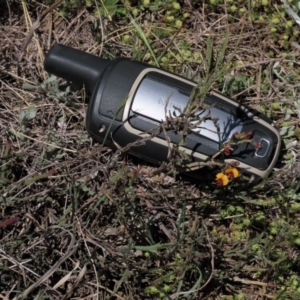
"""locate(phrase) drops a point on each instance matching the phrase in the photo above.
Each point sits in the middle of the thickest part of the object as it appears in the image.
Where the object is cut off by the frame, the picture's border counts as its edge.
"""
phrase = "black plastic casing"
(113, 85)
(106, 107)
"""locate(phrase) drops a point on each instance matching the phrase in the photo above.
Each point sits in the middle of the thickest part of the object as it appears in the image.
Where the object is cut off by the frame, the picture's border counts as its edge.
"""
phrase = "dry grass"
(83, 222)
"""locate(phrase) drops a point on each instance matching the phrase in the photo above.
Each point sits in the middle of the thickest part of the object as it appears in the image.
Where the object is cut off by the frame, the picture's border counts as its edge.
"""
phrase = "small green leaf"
(30, 113)
(20, 154)
(291, 12)
(50, 79)
(30, 87)
(21, 116)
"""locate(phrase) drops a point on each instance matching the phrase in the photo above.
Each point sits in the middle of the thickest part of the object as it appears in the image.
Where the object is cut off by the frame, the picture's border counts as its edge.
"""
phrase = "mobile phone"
(130, 98)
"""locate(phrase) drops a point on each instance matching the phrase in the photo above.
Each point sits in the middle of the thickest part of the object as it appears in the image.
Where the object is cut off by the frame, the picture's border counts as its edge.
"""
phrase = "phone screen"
(154, 98)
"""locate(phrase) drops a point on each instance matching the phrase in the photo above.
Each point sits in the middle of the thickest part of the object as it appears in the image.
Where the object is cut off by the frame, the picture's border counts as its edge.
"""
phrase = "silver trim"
(129, 128)
(266, 151)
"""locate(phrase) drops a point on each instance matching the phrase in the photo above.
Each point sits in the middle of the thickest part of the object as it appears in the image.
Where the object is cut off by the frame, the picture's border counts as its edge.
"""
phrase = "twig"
(106, 289)
(8, 222)
(160, 223)
(252, 282)
(71, 249)
(35, 26)
(261, 62)
(137, 143)
(45, 143)
(16, 263)
(212, 262)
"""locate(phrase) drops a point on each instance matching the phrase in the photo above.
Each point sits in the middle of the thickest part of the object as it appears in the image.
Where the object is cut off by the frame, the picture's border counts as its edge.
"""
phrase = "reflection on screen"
(151, 98)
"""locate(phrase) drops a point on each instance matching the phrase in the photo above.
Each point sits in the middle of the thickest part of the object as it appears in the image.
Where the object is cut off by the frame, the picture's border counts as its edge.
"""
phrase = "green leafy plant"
(26, 116)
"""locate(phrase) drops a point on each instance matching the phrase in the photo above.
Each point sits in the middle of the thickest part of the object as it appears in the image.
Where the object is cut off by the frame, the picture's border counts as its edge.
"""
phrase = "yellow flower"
(221, 179)
(228, 174)
(232, 173)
